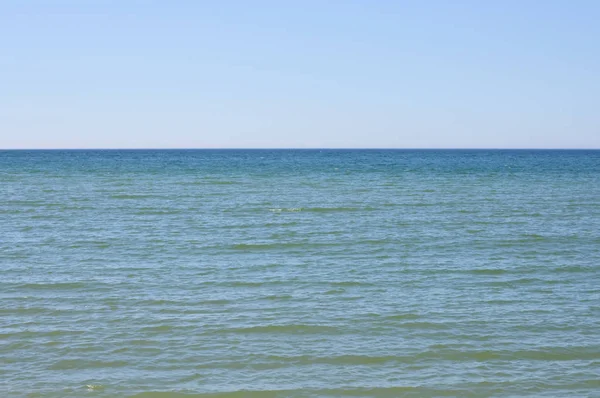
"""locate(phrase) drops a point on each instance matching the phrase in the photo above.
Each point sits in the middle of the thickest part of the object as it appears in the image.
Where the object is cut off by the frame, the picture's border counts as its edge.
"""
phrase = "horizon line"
(305, 148)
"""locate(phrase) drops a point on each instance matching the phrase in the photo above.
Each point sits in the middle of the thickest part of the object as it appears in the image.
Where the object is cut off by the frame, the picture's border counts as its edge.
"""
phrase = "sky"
(299, 74)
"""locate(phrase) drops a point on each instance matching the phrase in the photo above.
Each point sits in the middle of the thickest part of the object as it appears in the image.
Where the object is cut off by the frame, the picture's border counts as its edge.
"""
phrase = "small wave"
(501, 302)
(220, 182)
(349, 359)
(207, 182)
(247, 283)
(216, 302)
(401, 317)
(25, 311)
(286, 329)
(351, 283)
(474, 231)
(94, 387)
(53, 286)
(533, 236)
(28, 334)
(280, 224)
(157, 212)
(574, 268)
(159, 328)
(335, 209)
(550, 354)
(232, 394)
(83, 364)
(263, 246)
(289, 210)
(278, 297)
(319, 209)
(396, 391)
(423, 325)
(518, 281)
(87, 243)
(133, 196)
(335, 291)
(488, 271)
(151, 302)
(288, 245)
(24, 203)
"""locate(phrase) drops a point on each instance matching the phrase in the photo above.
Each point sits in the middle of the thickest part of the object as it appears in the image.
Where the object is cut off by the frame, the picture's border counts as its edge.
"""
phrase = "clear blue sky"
(370, 73)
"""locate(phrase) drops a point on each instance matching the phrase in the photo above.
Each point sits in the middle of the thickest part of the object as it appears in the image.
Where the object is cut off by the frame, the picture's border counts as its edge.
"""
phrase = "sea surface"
(299, 273)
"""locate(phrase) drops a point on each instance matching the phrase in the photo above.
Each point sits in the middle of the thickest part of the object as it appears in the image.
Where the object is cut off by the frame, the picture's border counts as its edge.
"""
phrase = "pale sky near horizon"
(237, 74)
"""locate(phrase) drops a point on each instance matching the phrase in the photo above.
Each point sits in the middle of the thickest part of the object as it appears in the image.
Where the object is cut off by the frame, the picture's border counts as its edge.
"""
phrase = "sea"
(299, 273)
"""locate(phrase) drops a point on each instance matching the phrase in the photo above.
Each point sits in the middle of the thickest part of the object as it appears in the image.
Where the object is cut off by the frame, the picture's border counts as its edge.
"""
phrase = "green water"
(299, 273)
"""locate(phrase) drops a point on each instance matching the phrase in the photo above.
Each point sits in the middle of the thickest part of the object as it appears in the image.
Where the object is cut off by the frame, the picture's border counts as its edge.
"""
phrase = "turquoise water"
(299, 273)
